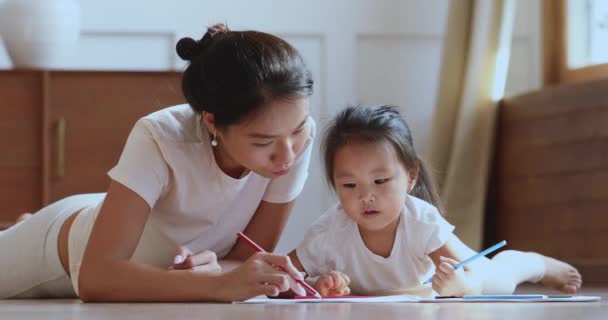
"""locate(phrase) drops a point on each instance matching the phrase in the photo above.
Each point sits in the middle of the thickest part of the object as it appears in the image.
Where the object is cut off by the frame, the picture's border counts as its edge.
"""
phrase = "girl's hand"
(259, 275)
(448, 281)
(204, 261)
(334, 283)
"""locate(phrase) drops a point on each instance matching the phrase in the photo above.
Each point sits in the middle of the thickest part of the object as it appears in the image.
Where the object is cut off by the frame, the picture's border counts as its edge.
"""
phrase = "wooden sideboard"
(61, 131)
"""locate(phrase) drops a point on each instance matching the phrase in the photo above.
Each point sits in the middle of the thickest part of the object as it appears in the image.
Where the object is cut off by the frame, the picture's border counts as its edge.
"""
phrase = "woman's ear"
(209, 122)
(412, 176)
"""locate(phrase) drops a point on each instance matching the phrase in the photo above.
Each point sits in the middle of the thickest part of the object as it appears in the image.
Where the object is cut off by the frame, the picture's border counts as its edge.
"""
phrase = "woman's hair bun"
(188, 48)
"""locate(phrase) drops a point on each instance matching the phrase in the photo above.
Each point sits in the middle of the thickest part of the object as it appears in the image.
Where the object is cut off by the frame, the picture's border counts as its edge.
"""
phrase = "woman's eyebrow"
(270, 136)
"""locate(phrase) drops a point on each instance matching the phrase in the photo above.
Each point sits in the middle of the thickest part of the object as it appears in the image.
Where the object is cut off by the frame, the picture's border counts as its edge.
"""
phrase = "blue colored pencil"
(475, 257)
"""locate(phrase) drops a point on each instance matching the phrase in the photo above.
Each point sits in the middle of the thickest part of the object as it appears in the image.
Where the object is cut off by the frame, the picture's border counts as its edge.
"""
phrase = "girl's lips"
(370, 212)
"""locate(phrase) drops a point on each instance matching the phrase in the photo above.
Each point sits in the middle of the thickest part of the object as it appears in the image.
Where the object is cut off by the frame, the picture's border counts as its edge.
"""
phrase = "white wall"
(5, 62)
(525, 69)
(360, 51)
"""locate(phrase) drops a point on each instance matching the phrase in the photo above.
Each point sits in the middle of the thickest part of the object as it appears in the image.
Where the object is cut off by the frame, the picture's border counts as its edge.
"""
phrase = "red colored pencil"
(257, 248)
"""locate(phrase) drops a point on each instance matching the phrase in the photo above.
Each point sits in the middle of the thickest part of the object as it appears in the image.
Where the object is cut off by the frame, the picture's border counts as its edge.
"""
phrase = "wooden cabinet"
(20, 143)
(61, 131)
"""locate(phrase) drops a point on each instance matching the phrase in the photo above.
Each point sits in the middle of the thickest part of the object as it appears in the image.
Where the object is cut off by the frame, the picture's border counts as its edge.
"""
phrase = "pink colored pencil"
(257, 248)
(334, 297)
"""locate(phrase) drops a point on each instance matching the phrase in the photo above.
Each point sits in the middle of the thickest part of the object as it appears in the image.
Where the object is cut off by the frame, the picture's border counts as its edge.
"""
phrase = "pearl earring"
(214, 141)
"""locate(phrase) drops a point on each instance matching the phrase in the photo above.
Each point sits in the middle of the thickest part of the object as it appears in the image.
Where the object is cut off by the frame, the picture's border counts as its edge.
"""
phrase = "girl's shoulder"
(332, 220)
(420, 211)
(333, 228)
(425, 228)
(177, 123)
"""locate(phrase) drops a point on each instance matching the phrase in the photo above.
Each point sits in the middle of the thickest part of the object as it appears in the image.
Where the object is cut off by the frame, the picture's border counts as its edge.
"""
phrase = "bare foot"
(23, 216)
(561, 276)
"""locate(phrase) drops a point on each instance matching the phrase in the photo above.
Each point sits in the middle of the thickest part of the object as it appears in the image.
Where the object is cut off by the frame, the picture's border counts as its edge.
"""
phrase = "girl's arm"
(265, 229)
(333, 283)
(467, 280)
(106, 273)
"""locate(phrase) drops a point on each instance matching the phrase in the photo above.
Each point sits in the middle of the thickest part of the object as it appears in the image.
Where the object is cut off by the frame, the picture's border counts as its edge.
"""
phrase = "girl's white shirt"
(334, 242)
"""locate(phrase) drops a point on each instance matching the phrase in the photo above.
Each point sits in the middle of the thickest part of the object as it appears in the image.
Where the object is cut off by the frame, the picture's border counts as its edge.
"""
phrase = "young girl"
(189, 178)
(387, 236)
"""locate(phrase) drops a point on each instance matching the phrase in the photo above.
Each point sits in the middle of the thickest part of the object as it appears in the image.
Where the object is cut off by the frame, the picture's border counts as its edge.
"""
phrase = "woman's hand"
(333, 283)
(204, 261)
(260, 275)
(448, 281)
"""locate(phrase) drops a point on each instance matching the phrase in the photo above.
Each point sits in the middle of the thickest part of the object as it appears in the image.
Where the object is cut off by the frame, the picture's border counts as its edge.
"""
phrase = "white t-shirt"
(333, 242)
(168, 160)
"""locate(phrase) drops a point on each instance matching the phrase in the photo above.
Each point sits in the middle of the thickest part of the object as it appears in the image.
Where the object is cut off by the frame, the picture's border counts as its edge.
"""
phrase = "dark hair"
(377, 124)
(233, 73)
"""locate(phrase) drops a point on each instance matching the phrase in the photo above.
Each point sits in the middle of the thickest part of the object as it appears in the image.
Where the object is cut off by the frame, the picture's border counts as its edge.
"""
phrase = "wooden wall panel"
(550, 176)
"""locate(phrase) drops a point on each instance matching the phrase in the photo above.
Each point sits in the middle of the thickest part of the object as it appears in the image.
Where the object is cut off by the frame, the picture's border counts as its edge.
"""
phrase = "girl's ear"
(412, 176)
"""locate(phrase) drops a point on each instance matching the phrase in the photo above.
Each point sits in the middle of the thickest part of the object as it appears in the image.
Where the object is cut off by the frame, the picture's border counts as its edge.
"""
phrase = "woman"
(190, 176)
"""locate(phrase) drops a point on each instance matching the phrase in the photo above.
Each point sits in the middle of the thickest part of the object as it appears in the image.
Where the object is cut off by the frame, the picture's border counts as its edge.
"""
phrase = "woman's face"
(269, 142)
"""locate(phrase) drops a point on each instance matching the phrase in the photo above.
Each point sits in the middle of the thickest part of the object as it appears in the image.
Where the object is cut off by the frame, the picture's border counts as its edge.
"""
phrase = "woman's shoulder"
(313, 126)
(177, 123)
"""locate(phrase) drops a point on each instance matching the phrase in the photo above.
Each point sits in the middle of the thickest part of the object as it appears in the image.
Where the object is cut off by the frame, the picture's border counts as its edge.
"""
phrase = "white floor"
(75, 309)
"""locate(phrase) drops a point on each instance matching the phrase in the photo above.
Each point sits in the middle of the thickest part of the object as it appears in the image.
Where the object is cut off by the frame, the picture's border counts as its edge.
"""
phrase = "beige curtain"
(475, 59)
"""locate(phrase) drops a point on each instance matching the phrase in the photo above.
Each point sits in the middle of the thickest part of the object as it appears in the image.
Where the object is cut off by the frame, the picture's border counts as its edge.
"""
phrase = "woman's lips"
(281, 173)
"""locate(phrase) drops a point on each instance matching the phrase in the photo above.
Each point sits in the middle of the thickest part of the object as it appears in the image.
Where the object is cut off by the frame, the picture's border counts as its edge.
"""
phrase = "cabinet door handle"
(60, 145)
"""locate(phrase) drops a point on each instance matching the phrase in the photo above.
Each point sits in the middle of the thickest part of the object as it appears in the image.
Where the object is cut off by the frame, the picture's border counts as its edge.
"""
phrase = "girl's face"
(372, 183)
(269, 142)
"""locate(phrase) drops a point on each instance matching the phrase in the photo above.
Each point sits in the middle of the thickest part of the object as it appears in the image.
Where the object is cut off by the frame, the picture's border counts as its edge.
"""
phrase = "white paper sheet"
(380, 299)
(410, 299)
(490, 298)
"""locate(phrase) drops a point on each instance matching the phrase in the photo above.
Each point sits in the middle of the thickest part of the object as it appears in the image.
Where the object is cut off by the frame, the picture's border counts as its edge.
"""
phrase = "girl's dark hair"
(373, 125)
(233, 73)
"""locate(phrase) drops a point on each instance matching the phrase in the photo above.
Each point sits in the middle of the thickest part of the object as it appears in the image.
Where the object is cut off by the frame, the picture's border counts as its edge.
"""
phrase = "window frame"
(555, 48)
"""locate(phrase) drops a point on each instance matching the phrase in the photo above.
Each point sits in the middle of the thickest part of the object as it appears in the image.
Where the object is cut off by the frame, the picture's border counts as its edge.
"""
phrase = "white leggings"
(509, 268)
(29, 258)
(30, 266)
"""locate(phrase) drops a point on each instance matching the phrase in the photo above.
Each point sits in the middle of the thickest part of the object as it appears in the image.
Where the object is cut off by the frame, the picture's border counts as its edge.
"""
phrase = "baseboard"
(593, 273)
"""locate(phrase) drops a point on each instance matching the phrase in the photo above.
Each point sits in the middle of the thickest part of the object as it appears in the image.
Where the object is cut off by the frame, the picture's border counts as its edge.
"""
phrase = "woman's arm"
(265, 229)
(107, 274)
(469, 280)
